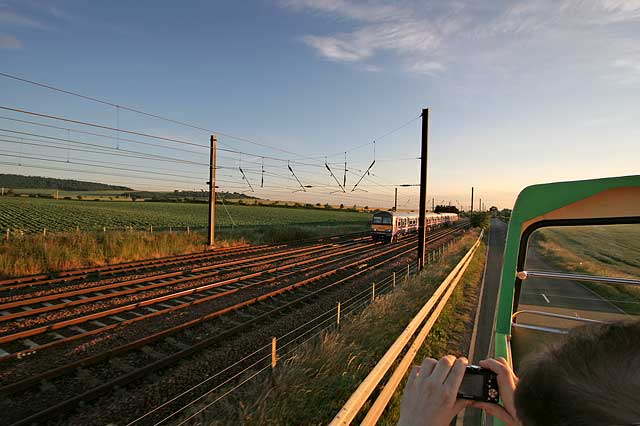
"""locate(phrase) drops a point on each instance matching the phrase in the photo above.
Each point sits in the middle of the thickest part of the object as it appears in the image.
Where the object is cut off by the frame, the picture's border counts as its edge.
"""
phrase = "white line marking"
(546, 298)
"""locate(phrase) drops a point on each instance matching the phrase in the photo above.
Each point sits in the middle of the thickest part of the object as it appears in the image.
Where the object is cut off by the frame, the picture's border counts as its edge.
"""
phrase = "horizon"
(518, 94)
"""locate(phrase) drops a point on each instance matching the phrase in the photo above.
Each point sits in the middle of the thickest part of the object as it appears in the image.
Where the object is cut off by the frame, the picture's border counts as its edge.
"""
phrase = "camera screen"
(472, 384)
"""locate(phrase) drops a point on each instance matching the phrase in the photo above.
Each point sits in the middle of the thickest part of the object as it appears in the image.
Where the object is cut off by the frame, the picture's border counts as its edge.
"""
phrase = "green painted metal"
(532, 202)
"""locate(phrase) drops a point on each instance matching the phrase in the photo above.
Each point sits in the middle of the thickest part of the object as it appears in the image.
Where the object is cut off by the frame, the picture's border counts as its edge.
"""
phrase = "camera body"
(479, 384)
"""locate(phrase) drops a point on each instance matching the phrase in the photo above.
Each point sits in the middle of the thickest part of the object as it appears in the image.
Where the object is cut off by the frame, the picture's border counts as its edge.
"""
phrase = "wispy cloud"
(428, 37)
(10, 42)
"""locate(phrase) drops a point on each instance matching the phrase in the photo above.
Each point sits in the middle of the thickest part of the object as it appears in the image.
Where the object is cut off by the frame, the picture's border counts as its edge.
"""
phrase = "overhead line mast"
(422, 219)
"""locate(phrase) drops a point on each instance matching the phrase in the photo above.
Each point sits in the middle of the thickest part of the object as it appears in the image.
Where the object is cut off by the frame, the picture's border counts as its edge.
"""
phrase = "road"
(570, 298)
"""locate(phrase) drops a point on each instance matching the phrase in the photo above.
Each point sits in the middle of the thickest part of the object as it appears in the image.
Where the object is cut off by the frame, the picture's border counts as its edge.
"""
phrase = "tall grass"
(33, 254)
(310, 387)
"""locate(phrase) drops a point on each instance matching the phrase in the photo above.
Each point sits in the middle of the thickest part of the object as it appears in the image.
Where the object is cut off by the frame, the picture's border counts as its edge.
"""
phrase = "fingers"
(413, 375)
(496, 411)
(454, 379)
(427, 366)
(442, 368)
(507, 381)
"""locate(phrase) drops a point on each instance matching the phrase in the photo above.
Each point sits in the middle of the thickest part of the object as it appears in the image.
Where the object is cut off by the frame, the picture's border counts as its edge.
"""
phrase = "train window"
(377, 220)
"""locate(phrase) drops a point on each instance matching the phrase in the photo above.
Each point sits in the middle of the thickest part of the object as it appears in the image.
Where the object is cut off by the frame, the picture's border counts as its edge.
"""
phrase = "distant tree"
(366, 207)
(327, 206)
(493, 209)
(318, 204)
(446, 209)
(342, 206)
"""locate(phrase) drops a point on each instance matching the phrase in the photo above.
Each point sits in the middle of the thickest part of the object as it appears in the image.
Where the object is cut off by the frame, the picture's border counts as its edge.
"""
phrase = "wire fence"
(282, 348)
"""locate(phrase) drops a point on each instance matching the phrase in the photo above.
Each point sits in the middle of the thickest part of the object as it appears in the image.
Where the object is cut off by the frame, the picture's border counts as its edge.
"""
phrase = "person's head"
(592, 378)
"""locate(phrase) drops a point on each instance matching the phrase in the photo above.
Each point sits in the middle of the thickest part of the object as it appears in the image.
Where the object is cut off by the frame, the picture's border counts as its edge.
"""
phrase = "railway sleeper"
(148, 350)
(176, 343)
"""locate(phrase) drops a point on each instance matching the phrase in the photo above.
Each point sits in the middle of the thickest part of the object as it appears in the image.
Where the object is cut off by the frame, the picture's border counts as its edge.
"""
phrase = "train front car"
(382, 226)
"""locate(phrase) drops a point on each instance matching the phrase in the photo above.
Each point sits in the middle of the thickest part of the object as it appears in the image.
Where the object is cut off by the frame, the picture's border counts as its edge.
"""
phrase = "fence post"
(188, 230)
(338, 316)
(8, 234)
(373, 291)
(151, 228)
(170, 229)
(394, 280)
(104, 229)
(407, 272)
(274, 357)
(44, 232)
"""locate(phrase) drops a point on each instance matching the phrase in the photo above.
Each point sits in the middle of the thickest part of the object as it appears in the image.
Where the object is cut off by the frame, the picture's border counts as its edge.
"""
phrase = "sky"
(519, 93)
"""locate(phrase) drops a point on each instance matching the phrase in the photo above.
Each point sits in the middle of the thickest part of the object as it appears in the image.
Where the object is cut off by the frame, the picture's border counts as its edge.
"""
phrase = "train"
(389, 226)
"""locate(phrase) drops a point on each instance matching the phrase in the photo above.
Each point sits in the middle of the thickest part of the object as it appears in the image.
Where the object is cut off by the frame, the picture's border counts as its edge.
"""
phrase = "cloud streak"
(428, 37)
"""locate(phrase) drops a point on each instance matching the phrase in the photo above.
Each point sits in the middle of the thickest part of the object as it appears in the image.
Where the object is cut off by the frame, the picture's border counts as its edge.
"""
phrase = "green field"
(612, 251)
(34, 214)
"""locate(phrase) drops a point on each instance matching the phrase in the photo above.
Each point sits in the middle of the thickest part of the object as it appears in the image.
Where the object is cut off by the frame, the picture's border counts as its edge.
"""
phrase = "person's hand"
(507, 382)
(429, 397)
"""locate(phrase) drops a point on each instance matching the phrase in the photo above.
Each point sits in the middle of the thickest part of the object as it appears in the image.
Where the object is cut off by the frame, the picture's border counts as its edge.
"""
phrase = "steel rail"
(184, 274)
(171, 359)
(96, 358)
(130, 307)
(81, 273)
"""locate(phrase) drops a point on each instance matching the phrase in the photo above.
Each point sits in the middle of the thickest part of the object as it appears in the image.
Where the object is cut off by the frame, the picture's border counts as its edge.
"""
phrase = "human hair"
(591, 378)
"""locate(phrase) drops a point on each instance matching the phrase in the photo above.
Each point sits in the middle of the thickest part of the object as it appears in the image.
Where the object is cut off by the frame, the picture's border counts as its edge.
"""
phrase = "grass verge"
(34, 254)
(310, 387)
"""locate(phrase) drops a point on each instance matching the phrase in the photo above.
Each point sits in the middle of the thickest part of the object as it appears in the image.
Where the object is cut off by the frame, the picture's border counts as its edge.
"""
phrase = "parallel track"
(270, 304)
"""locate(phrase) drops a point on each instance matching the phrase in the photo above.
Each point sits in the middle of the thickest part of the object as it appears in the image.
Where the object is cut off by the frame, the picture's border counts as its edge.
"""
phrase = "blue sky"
(519, 92)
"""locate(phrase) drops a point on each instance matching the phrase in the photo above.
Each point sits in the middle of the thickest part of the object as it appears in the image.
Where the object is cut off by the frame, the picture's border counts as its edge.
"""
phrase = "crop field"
(34, 214)
(612, 251)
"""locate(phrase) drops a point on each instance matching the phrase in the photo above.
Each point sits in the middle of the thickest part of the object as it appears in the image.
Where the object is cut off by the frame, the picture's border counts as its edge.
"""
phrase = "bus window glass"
(573, 254)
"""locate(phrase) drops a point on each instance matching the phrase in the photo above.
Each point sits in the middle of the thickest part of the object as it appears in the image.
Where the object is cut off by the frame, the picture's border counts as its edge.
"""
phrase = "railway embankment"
(310, 385)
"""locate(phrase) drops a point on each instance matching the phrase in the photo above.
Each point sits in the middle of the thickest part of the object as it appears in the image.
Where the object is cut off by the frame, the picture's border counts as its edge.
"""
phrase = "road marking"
(546, 298)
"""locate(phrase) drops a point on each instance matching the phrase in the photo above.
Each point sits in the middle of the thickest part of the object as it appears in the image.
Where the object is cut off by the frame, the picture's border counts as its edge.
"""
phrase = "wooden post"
(373, 291)
(338, 316)
(472, 200)
(212, 192)
(407, 272)
(422, 220)
(44, 232)
(170, 229)
(274, 357)
(188, 230)
(104, 229)
(151, 228)
(394, 280)
(8, 234)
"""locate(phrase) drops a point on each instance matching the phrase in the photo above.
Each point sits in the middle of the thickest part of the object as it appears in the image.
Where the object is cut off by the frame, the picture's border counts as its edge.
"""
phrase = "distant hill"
(20, 182)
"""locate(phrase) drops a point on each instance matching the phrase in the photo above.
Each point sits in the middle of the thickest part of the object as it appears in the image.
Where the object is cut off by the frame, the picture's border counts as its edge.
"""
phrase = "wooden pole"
(373, 292)
(274, 357)
(338, 316)
(472, 200)
(394, 280)
(212, 191)
(422, 221)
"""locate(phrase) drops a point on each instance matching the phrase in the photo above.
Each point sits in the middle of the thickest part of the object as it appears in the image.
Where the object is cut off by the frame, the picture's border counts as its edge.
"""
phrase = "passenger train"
(389, 225)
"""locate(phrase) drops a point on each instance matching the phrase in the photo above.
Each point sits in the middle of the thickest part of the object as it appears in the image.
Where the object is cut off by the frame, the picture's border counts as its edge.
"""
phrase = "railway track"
(101, 272)
(297, 282)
